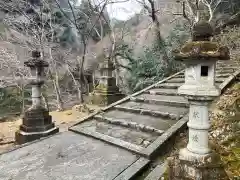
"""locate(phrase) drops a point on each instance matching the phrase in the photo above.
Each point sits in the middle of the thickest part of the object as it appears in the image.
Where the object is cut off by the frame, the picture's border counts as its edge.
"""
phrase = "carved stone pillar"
(37, 122)
(197, 161)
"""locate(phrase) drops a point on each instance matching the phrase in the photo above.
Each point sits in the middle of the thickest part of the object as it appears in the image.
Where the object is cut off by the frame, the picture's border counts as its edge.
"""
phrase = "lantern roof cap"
(201, 47)
(36, 60)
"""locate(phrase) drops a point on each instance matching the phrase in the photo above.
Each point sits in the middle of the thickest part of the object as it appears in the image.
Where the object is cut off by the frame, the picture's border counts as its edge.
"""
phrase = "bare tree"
(40, 28)
(38, 33)
(149, 5)
(194, 10)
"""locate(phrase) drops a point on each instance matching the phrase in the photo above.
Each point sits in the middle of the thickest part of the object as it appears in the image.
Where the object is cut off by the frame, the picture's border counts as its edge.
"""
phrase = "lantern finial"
(36, 54)
(202, 31)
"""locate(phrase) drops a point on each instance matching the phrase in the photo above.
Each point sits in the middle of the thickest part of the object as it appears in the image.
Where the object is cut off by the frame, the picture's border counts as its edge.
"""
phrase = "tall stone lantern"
(106, 92)
(36, 122)
(197, 161)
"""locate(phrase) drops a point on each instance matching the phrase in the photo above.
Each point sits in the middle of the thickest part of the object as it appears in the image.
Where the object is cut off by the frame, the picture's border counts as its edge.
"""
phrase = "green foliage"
(150, 66)
(11, 100)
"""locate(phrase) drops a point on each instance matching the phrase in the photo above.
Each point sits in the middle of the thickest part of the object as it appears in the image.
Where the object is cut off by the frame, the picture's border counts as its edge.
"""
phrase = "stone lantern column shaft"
(36, 95)
(198, 128)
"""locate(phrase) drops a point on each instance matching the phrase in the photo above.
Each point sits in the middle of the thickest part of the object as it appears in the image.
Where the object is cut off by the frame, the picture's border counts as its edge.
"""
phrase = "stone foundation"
(104, 96)
(195, 167)
(22, 137)
(104, 99)
(37, 123)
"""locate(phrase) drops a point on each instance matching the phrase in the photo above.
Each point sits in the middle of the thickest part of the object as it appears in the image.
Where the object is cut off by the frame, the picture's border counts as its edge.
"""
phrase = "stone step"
(227, 62)
(155, 122)
(222, 75)
(224, 71)
(157, 172)
(158, 91)
(177, 101)
(126, 137)
(169, 85)
(174, 113)
(133, 125)
(176, 80)
(227, 66)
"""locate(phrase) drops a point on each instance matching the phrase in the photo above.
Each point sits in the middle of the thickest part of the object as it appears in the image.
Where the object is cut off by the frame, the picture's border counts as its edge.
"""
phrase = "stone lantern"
(106, 92)
(197, 161)
(37, 122)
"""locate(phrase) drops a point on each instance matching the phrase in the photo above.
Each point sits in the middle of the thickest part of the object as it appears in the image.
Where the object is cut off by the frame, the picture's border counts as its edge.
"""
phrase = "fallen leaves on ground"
(225, 132)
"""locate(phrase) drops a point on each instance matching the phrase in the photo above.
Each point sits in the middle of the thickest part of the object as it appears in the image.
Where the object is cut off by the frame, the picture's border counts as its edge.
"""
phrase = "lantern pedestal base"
(191, 166)
(37, 123)
(22, 137)
(104, 95)
(105, 98)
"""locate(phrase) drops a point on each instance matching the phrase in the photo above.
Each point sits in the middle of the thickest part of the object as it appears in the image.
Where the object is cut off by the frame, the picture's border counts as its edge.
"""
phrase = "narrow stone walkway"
(115, 143)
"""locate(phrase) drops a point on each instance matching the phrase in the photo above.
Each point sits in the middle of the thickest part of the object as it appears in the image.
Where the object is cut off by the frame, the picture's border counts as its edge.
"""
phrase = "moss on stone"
(202, 49)
(204, 46)
(101, 87)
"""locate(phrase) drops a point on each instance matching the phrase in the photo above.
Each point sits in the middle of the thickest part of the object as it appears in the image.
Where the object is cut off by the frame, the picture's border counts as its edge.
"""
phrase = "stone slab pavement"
(68, 156)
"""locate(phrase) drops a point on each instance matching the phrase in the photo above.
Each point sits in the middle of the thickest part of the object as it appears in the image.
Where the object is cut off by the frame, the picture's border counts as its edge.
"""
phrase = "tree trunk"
(56, 84)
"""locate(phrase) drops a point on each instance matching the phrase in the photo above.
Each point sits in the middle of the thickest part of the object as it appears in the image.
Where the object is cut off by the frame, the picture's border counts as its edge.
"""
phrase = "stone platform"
(69, 156)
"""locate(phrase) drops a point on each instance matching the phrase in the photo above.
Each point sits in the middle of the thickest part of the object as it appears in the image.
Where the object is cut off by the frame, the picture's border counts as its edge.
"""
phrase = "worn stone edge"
(111, 140)
(157, 172)
(131, 171)
(229, 80)
(125, 99)
(163, 102)
(30, 143)
(131, 125)
(153, 147)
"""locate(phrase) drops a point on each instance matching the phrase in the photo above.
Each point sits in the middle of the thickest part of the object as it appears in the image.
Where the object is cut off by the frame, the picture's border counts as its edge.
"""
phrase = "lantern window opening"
(204, 71)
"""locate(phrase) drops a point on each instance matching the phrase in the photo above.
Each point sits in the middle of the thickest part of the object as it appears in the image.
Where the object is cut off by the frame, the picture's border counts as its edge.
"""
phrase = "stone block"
(22, 137)
(105, 98)
(37, 123)
(208, 167)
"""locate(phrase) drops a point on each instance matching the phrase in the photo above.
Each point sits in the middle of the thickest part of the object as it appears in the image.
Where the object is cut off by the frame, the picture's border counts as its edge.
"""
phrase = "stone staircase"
(142, 122)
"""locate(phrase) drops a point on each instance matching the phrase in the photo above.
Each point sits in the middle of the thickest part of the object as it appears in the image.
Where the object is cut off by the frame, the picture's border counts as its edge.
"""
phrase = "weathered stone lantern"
(197, 161)
(106, 91)
(37, 122)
